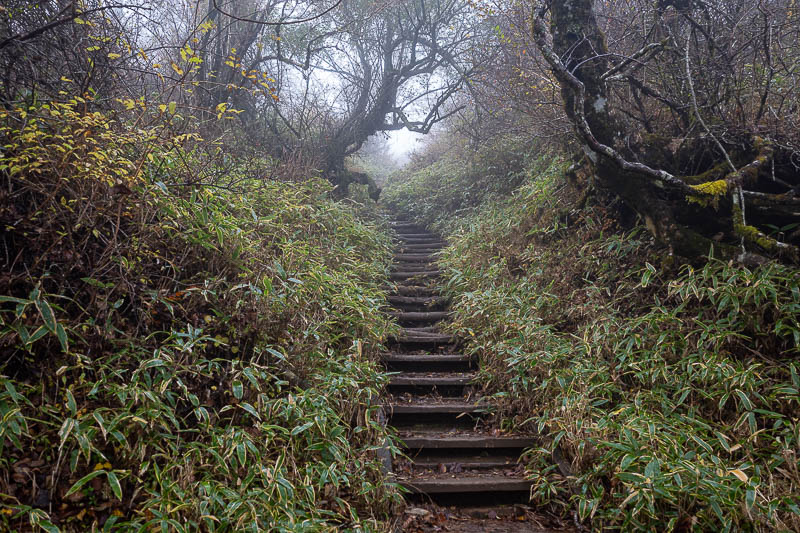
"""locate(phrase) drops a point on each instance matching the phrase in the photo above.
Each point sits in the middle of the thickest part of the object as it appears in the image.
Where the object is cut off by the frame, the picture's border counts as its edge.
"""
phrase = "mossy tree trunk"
(688, 215)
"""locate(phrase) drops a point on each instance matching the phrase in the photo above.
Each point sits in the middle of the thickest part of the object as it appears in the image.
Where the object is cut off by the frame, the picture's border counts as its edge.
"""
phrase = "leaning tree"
(690, 116)
(398, 67)
(324, 77)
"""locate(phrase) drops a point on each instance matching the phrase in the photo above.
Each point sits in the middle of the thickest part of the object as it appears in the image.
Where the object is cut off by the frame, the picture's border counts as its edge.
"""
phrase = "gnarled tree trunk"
(688, 214)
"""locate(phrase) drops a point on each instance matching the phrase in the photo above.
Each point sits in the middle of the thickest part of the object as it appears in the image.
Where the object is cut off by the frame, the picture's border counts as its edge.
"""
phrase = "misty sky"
(402, 143)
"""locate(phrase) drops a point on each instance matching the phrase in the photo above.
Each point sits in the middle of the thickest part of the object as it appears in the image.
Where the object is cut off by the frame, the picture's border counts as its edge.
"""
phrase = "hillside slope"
(181, 357)
(666, 394)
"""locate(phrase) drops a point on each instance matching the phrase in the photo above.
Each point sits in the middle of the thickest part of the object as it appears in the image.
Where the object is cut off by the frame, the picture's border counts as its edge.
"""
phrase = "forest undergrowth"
(182, 357)
(666, 394)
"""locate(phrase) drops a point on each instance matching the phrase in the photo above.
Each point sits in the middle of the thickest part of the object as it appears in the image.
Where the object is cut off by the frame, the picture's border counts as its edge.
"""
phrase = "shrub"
(461, 180)
(181, 357)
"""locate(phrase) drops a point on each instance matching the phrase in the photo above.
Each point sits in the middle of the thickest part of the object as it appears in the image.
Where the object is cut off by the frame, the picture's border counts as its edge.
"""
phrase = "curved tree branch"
(21, 38)
(271, 23)
(568, 78)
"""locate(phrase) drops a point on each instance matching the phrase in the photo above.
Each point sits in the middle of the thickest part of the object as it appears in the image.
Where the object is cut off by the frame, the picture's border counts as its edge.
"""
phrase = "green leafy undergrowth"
(667, 396)
(461, 180)
(181, 358)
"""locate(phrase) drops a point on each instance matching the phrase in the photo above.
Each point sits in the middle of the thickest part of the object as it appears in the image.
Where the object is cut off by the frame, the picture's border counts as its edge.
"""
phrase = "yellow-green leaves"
(221, 109)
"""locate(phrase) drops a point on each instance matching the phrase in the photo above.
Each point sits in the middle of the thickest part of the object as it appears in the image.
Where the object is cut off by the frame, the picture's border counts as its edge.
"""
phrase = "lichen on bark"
(683, 212)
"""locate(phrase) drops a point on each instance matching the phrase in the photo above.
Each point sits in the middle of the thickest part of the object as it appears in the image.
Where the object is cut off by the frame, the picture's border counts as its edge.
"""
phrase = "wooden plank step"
(409, 235)
(429, 362)
(433, 379)
(426, 329)
(398, 261)
(413, 245)
(416, 290)
(475, 462)
(426, 358)
(424, 408)
(415, 258)
(433, 440)
(422, 248)
(431, 241)
(427, 251)
(431, 316)
(435, 339)
(409, 275)
(398, 224)
(445, 484)
(423, 251)
(425, 301)
(419, 237)
(413, 267)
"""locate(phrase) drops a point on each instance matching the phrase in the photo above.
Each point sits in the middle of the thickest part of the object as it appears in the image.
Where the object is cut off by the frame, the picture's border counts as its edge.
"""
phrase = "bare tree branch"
(21, 38)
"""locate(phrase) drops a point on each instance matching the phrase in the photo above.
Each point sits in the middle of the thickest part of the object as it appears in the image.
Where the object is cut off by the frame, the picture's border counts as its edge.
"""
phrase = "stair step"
(428, 251)
(415, 332)
(424, 408)
(416, 290)
(417, 235)
(430, 330)
(424, 249)
(415, 258)
(450, 483)
(423, 301)
(406, 226)
(441, 441)
(432, 316)
(425, 339)
(408, 275)
(413, 267)
(429, 241)
(433, 379)
(468, 462)
(425, 358)
(428, 362)
(409, 235)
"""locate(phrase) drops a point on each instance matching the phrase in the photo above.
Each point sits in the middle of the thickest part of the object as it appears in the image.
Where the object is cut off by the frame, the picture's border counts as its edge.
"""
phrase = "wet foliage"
(181, 357)
(666, 393)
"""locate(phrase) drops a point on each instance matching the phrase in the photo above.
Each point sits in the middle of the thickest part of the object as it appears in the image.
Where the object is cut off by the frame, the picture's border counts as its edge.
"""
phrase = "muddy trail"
(462, 474)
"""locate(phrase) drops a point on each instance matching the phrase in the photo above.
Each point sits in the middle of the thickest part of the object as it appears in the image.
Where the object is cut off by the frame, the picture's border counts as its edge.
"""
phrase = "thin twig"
(639, 57)
(697, 108)
(738, 196)
(58, 22)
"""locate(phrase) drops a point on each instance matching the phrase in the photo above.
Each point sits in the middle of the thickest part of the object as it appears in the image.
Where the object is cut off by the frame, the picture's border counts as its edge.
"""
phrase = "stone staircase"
(456, 458)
